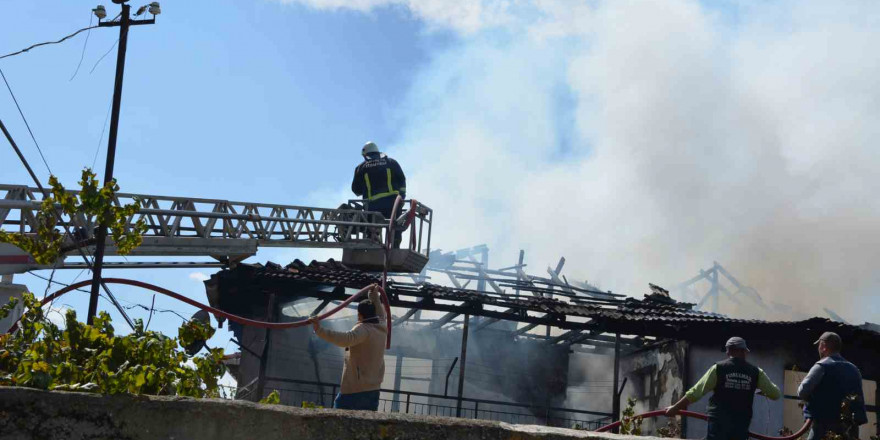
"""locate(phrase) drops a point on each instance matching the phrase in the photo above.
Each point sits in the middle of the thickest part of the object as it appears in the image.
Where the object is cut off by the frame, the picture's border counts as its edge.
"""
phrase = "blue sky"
(641, 140)
(250, 101)
(277, 94)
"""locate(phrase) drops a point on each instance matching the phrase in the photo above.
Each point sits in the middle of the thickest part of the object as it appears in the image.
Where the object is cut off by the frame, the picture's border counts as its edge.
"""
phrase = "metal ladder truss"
(223, 229)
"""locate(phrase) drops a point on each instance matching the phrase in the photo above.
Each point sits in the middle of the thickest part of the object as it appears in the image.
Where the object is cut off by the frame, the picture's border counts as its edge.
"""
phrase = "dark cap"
(736, 342)
(830, 338)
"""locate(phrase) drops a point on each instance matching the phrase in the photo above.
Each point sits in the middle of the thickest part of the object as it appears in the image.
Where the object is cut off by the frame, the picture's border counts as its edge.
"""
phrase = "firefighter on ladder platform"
(379, 180)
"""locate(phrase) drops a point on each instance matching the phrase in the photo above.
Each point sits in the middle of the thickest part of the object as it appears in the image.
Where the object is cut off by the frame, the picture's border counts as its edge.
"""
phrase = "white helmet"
(369, 147)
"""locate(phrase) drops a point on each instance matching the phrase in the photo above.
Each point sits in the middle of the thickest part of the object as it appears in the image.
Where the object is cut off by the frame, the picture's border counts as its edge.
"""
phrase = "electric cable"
(143, 307)
(60, 220)
(48, 42)
(25, 122)
(152, 305)
(78, 275)
(30, 272)
(132, 305)
(49, 284)
(86, 43)
(102, 56)
(103, 130)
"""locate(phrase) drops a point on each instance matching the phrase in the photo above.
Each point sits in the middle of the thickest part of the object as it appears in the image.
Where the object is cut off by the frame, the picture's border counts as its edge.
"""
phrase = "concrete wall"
(767, 415)
(655, 378)
(33, 414)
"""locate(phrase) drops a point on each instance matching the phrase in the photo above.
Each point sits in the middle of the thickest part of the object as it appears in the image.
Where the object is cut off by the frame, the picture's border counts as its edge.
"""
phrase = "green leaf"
(272, 399)
(91, 358)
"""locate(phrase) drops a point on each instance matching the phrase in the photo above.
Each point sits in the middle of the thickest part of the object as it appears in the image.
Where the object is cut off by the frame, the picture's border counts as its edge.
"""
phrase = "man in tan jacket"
(364, 345)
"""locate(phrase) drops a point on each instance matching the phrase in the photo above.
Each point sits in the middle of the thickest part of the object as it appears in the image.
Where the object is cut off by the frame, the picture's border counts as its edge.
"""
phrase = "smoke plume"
(643, 140)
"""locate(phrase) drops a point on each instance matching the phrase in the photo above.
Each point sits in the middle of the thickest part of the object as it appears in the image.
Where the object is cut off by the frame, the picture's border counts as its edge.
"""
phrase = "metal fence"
(306, 393)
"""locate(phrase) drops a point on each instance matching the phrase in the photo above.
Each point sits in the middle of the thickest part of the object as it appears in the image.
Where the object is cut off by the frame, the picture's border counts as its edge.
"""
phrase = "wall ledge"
(35, 414)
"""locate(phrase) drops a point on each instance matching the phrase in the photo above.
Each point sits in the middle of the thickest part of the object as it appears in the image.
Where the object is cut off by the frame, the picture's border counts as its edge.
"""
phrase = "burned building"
(518, 349)
(497, 371)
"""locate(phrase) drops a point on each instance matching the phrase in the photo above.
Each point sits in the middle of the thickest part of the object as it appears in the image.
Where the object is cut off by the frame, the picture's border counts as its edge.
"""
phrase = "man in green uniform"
(733, 383)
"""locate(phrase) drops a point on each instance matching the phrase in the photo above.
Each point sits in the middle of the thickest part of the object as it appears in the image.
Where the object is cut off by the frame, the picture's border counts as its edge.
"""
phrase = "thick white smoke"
(643, 140)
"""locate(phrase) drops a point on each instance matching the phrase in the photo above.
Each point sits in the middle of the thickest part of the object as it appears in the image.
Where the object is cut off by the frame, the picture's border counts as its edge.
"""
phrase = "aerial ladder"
(230, 231)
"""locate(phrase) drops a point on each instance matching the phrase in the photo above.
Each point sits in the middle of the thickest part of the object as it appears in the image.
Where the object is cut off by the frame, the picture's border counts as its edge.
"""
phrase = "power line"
(30, 272)
(83, 54)
(24, 160)
(103, 129)
(48, 42)
(96, 267)
(141, 306)
(152, 306)
(102, 56)
(25, 122)
(132, 305)
(58, 216)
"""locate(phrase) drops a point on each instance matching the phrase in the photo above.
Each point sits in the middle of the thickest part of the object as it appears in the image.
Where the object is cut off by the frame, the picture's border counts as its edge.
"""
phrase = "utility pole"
(123, 23)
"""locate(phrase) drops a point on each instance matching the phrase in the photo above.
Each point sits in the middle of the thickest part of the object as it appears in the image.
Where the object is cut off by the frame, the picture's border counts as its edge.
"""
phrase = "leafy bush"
(272, 399)
(92, 201)
(847, 421)
(671, 430)
(92, 358)
(311, 405)
(630, 424)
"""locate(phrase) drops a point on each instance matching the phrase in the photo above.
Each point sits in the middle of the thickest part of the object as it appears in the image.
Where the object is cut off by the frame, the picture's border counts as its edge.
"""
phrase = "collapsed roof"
(656, 315)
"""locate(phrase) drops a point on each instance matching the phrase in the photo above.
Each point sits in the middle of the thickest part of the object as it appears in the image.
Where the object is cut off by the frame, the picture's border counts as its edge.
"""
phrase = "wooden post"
(264, 357)
(687, 380)
(395, 399)
(615, 402)
(464, 338)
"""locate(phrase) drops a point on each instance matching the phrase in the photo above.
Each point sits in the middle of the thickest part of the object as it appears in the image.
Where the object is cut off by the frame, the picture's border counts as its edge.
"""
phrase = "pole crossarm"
(116, 23)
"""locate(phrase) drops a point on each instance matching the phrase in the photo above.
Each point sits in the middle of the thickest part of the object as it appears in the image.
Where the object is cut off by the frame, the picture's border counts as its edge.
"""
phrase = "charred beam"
(444, 320)
(405, 317)
(320, 307)
(525, 329)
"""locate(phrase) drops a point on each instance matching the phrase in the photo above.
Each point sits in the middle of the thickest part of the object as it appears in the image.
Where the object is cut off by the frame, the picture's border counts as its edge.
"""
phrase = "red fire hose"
(218, 312)
(702, 416)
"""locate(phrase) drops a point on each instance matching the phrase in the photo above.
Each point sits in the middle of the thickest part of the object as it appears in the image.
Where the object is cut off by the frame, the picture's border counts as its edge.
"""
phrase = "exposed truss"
(714, 276)
(471, 265)
(461, 267)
